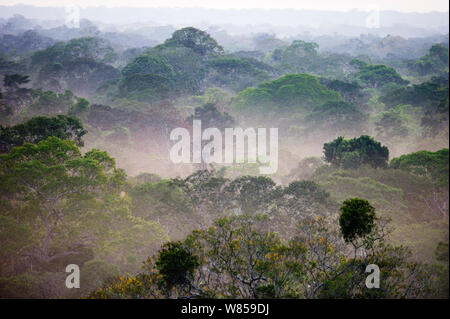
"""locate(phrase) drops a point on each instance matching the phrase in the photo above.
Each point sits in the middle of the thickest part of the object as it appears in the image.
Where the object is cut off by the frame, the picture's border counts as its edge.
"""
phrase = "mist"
(90, 98)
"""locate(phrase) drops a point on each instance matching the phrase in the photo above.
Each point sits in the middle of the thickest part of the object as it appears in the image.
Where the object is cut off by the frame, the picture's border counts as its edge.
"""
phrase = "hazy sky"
(338, 5)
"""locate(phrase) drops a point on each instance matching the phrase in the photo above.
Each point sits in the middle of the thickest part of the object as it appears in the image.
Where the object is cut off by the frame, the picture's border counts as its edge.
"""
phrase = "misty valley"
(211, 161)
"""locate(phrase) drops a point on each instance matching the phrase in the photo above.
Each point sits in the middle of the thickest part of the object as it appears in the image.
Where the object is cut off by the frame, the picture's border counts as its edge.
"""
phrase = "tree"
(240, 257)
(80, 108)
(80, 64)
(359, 64)
(303, 57)
(355, 152)
(236, 73)
(392, 123)
(299, 57)
(164, 202)
(305, 168)
(336, 116)
(47, 182)
(253, 194)
(197, 40)
(357, 219)
(265, 42)
(81, 75)
(147, 63)
(40, 128)
(211, 117)
(425, 163)
(435, 62)
(291, 93)
(144, 87)
(431, 96)
(427, 94)
(189, 67)
(92, 48)
(73, 206)
(434, 167)
(297, 201)
(206, 194)
(50, 102)
(350, 92)
(400, 277)
(176, 264)
(379, 75)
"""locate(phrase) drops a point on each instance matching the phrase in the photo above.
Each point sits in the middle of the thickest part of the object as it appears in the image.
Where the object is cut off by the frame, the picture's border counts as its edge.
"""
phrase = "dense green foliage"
(378, 75)
(39, 128)
(357, 218)
(425, 163)
(431, 96)
(240, 257)
(355, 152)
(86, 117)
(435, 62)
(175, 263)
(290, 92)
